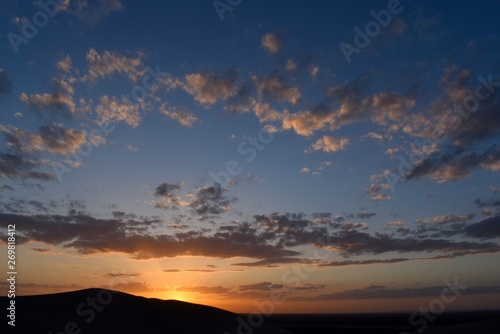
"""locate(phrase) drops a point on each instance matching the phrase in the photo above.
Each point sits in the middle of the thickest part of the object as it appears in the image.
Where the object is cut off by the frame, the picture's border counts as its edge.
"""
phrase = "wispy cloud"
(180, 114)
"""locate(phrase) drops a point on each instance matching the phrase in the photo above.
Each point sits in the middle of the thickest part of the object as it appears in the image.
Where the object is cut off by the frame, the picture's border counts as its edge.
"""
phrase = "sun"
(177, 295)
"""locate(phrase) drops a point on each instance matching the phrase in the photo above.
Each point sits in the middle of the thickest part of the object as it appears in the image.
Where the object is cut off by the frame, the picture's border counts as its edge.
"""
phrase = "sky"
(324, 157)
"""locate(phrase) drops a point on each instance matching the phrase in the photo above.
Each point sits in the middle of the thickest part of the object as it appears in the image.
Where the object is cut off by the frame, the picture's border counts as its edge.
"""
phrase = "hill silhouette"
(99, 311)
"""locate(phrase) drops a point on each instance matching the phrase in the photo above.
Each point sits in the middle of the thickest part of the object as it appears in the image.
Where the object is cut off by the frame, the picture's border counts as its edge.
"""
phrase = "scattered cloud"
(169, 192)
(396, 223)
(380, 197)
(108, 63)
(275, 88)
(375, 136)
(272, 43)
(180, 114)
(305, 123)
(111, 110)
(132, 148)
(330, 144)
(208, 88)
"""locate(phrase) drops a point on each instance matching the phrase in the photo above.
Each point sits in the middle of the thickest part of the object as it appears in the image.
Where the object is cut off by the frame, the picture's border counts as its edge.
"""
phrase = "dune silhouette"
(104, 311)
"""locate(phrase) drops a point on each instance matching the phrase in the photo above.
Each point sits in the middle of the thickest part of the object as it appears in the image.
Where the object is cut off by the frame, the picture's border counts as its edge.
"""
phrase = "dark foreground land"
(446, 323)
(99, 311)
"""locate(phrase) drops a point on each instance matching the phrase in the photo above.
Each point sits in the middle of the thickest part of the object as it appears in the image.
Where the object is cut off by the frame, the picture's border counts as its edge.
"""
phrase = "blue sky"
(379, 148)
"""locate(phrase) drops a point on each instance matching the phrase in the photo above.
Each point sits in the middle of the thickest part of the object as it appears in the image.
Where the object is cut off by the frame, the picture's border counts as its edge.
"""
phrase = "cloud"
(106, 64)
(262, 286)
(89, 13)
(305, 123)
(375, 136)
(199, 271)
(113, 275)
(267, 238)
(330, 144)
(132, 148)
(274, 87)
(208, 88)
(207, 202)
(89, 235)
(380, 197)
(314, 71)
(269, 263)
(54, 139)
(387, 106)
(248, 178)
(196, 271)
(65, 64)
(266, 113)
(210, 201)
(354, 242)
(111, 109)
(272, 43)
(381, 292)
(49, 101)
(29, 288)
(305, 170)
(20, 205)
(132, 287)
(349, 103)
(57, 104)
(362, 262)
(446, 219)
(455, 164)
(20, 167)
(41, 250)
(396, 223)
(353, 239)
(6, 187)
(290, 65)
(459, 140)
(5, 84)
(485, 229)
(180, 114)
(361, 215)
(216, 290)
(324, 164)
(169, 193)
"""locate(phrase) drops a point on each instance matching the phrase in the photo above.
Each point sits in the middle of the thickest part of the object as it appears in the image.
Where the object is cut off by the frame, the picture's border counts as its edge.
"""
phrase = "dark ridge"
(99, 311)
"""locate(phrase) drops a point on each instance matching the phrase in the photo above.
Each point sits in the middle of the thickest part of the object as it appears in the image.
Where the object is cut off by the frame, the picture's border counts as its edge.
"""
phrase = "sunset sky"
(343, 154)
